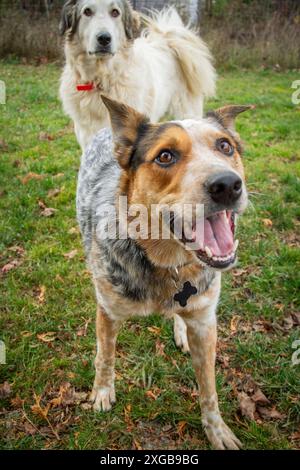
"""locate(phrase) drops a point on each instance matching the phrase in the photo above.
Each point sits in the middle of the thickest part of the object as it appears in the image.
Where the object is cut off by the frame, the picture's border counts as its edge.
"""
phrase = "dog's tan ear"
(127, 124)
(131, 20)
(226, 116)
(68, 21)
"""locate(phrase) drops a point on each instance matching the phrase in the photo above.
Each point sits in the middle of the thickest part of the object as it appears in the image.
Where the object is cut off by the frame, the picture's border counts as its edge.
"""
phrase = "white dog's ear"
(68, 21)
(127, 125)
(131, 20)
(226, 116)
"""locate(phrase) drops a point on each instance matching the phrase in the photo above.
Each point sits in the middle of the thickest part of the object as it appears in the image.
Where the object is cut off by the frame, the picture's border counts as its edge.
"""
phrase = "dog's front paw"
(103, 398)
(180, 334)
(220, 435)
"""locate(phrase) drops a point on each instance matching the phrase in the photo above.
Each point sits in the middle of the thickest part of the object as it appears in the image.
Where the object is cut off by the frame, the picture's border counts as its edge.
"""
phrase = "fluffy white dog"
(166, 68)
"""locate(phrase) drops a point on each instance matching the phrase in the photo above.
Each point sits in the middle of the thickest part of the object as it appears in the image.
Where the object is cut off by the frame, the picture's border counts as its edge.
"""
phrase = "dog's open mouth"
(217, 246)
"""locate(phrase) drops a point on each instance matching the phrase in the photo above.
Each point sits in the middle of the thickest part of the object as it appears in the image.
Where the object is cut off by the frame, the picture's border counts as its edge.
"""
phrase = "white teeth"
(236, 244)
(208, 252)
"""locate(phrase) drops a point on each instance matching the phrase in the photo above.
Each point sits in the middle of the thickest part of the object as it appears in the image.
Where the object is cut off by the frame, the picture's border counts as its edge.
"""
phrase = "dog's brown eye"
(225, 147)
(87, 12)
(165, 158)
(115, 13)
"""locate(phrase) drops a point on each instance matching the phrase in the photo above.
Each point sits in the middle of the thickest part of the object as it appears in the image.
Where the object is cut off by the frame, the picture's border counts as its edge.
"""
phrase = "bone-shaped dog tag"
(183, 296)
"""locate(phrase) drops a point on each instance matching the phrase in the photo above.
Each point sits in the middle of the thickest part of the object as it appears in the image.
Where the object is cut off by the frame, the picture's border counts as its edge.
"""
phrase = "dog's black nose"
(225, 188)
(104, 39)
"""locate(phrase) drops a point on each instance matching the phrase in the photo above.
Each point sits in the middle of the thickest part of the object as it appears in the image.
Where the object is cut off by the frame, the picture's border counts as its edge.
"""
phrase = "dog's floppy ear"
(127, 126)
(68, 19)
(226, 116)
(131, 20)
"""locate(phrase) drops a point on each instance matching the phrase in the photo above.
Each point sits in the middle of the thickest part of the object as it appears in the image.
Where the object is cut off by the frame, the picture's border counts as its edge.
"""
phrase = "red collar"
(85, 87)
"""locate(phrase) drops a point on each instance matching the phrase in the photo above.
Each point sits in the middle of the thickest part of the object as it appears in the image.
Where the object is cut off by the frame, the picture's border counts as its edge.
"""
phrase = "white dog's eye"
(87, 12)
(115, 13)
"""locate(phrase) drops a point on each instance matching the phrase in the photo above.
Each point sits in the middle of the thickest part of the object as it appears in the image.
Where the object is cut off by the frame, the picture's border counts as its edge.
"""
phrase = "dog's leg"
(202, 338)
(103, 393)
(180, 334)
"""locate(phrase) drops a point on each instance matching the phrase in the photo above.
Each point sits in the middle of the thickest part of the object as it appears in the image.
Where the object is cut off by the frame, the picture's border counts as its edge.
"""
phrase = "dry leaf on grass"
(153, 394)
(74, 231)
(82, 331)
(267, 222)
(17, 402)
(46, 211)
(270, 413)
(247, 406)
(160, 348)
(67, 396)
(38, 409)
(71, 254)
(137, 445)
(19, 250)
(59, 175)
(41, 294)
(45, 136)
(181, 427)
(5, 390)
(31, 176)
(154, 329)
(47, 337)
(11, 265)
(53, 192)
(260, 398)
(296, 436)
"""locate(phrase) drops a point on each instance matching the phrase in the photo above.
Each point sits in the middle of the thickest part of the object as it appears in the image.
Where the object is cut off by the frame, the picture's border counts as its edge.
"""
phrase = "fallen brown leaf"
(71, 254)
(267, 222)
(74, 231)
(152, 395)
(17, 402)
(31, 176)
(181, 427)
(29, 429)
(53, 192)
(137, 445)
(82, 331)
(47, 337)
(17, 249)
(247, 406)
(5, 390)
(160, 348)
(154, 329)
(38, 409)
(296, 436)
(260, 398)
(296, 318)
(270, 413)
(41, 294)
(58, 175)
(11, 265)
(45, 136)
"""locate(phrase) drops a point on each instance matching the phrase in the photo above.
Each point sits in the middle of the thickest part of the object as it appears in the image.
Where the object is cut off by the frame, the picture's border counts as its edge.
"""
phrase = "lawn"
(47, 301)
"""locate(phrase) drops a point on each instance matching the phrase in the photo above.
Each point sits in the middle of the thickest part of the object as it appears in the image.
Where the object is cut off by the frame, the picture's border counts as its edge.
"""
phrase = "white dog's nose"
(104, 39)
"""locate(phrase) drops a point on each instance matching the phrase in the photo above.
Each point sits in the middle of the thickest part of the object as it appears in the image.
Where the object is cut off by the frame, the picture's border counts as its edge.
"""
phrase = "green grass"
(267, 289)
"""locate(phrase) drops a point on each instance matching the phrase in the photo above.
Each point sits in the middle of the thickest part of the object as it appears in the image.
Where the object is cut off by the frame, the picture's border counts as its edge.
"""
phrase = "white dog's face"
(102, 26)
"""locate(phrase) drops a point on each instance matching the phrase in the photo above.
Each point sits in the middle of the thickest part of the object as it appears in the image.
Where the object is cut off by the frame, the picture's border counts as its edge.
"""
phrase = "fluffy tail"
(191, 52)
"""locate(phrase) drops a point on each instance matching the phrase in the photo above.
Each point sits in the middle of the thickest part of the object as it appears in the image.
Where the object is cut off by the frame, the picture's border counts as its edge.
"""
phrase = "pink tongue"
(218, 235)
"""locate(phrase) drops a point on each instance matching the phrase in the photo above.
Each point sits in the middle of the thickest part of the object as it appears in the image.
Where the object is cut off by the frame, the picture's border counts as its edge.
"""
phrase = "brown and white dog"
(168, 68)
(177, 163)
